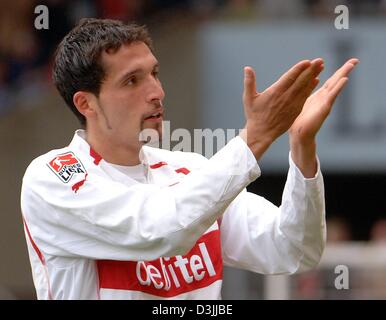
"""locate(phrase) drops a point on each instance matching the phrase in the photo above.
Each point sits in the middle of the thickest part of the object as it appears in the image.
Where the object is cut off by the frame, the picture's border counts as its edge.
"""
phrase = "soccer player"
(109, 218)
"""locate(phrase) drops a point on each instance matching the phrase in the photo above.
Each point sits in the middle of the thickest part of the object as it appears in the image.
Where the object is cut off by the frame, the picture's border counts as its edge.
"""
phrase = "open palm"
(318, 106)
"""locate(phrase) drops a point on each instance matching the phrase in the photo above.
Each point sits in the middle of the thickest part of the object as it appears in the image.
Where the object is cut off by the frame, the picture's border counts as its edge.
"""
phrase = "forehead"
(128, 57)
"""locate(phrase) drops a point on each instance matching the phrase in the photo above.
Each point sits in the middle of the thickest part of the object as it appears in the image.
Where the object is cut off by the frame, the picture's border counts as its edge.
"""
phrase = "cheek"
(128, 121)
(120, 109)
(124, 111)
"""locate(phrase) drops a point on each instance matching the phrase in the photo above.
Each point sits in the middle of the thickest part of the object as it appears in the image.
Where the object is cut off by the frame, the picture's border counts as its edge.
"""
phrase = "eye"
(131, 81)
(155, 73)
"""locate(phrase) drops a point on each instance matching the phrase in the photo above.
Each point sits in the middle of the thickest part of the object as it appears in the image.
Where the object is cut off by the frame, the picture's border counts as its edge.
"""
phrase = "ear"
(85, 103)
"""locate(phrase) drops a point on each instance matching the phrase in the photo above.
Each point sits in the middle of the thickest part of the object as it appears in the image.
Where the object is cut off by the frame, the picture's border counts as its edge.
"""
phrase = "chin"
(151, 135)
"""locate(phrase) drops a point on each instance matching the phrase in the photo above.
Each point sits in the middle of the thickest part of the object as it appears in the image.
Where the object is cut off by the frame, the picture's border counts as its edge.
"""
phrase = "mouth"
(154, 117)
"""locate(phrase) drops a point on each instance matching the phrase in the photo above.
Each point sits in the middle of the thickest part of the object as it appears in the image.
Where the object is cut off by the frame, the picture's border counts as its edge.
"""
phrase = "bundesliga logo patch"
(66, 165)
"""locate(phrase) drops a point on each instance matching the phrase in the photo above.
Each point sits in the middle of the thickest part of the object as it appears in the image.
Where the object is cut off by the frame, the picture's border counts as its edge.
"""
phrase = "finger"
(317, 61)
(249, 83)
(341, 72)
(337, 89)
(288, 79)
(353, 61)
(313, 84)
(305, 79)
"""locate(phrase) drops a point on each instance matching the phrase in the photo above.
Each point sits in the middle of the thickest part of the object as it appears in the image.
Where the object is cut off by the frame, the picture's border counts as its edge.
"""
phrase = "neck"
(112, 151)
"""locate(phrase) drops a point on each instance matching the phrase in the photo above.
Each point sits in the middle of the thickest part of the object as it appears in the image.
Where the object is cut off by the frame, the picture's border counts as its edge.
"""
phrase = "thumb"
(249, 83)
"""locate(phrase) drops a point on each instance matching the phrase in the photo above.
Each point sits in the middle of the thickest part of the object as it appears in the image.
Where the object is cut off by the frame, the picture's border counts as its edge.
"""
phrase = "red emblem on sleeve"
(65, 166)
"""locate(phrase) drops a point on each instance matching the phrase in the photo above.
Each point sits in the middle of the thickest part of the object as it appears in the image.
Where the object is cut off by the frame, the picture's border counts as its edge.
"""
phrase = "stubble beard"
(151, 135)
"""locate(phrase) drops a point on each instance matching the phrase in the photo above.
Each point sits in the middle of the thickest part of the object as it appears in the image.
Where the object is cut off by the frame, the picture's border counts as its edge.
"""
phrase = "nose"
(156, 92)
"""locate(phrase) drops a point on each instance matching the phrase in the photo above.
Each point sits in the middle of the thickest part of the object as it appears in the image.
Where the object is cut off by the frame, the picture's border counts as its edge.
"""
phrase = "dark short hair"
(77, 63)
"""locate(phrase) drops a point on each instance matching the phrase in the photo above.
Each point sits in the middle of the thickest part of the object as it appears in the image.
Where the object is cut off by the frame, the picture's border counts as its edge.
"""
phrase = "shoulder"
(43, 161)
(57, 166)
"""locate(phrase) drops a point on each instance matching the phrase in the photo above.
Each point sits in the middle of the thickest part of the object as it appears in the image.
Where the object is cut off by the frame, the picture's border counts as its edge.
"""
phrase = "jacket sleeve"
(260, 237)
(109, 220)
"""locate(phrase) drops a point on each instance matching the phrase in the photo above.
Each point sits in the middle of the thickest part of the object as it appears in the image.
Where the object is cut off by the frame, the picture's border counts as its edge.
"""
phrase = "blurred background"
(202, 47)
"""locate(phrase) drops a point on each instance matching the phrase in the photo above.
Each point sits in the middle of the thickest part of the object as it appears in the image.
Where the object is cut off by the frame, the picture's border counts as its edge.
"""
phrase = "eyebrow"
(128, 74)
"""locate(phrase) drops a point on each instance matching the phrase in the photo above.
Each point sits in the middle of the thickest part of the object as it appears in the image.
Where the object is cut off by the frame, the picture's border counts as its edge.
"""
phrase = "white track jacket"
(162, 229)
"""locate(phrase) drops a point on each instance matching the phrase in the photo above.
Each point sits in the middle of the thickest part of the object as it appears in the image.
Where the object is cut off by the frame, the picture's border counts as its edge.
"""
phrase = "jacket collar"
(149, 156)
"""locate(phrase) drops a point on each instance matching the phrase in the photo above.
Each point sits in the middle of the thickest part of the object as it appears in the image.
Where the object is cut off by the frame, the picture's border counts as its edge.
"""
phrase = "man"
(109, 218)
